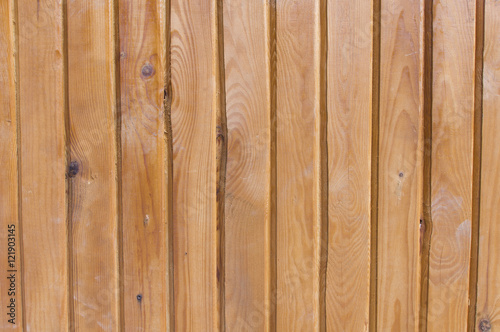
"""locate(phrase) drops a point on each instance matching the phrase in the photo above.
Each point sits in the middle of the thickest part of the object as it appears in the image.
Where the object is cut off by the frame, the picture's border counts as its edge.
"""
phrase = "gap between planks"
(476, 162)
(426, 218)
(376, 44)
(67, 150)
(220, 125)
(271, 222)
(115, 26)
(168, 162)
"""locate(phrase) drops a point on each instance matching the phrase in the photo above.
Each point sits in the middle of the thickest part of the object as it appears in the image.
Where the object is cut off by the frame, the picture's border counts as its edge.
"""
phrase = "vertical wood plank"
(145, 200)
(300, 165)
(488, 288)
(43, 165)
(10, 262)
(92, 171)
(400, 166)
(198, 141)
(451, 168)
(248, 182)
(350, 43)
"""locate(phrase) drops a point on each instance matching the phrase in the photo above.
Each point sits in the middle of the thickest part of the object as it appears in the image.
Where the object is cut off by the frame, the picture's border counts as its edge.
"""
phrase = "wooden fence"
(264, 165)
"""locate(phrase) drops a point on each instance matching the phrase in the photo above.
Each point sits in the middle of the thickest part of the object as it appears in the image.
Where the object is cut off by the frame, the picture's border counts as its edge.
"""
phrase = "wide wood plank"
(400, 165)
(300, 135)
(145, 165)
(249, 205)
(43, 164)
(92, 172)
(10, 262)
(349, 163)
(197, 139)
(488, 287)
(451, 169)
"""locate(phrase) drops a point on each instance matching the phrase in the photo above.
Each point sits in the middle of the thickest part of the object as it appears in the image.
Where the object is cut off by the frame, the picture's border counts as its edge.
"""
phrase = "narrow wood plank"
(488, 287)
(451, 168)
(43, 166)
(249, 209)
(400, 166)
(146, 219)
(197, 141)
(10, 236)
(350, 44)
(300, 165)
(92, 171)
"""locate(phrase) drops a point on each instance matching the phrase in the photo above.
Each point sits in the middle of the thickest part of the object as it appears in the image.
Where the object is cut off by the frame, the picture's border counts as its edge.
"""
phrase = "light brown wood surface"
(194, 171)
(145, 174)
(400, 166)
(350, 43)
(299, 166)
(93, 214)
(44, 200)
(230, 165)
(488, 287)
(451, 170)
(249, 208)
(9, 174)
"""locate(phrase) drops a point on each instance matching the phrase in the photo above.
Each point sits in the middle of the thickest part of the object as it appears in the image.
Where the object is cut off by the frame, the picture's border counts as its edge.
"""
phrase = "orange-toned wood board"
(10, 263)
(195, 129)
(451, 168)
(488, 287)
(400, 166)
(232, 165)
(144, 166)
(300, 165)
(350, 49)
(249, 209)
(43, 165)
(93, 210)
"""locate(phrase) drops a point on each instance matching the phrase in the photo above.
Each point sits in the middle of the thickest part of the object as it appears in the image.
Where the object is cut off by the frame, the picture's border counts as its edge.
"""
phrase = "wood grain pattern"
(214, 165)
(451, 169)
(92, 172)
(488, 288)
(349, 159)
(400, 166)
(43, 164)
(194, 48)
(9, 175)
(145, 162)
(300, 163)
(248, 182)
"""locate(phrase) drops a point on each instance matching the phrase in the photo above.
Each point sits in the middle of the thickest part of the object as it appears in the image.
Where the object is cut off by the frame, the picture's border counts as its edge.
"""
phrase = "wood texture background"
(232, 165)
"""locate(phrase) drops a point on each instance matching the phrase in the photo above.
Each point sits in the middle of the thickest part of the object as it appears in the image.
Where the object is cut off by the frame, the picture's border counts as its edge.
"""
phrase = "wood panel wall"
(231, 165)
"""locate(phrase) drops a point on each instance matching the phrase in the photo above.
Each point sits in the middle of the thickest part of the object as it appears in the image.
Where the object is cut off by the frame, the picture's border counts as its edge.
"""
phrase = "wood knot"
(147, 70)
(484, 325)
(73, 169)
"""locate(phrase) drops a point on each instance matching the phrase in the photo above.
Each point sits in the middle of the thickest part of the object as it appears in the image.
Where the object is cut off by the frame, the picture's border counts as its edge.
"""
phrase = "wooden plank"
(451, 168)
(400, 165)
(43, 164)
(488, 287)
(198, 138)
(350, 43)
(249, 202)
(145, 164)
(93, 174)
(10, 262)
(301, 111)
